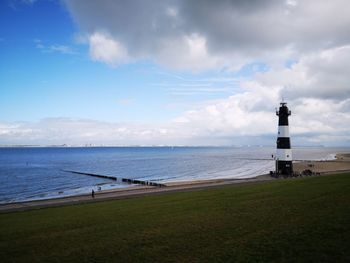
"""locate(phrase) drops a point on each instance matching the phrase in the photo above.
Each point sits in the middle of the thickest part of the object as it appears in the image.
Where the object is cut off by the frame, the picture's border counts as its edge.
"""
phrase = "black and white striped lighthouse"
(284, 165)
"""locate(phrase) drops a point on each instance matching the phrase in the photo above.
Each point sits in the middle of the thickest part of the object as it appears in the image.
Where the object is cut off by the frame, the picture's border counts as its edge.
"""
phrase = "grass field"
(297, 220)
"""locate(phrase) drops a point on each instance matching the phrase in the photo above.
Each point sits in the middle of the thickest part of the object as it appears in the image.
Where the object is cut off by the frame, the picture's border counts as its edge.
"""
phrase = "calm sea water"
(37, 173)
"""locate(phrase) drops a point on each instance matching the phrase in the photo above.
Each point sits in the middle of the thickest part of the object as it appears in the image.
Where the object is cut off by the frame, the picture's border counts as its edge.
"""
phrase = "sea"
(35, 173)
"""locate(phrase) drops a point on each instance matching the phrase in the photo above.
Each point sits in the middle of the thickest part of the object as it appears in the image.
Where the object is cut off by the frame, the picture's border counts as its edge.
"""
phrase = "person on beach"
(92, 193)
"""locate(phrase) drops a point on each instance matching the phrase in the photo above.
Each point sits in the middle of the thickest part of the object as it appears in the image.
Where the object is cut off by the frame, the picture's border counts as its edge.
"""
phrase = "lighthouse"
(284, 164)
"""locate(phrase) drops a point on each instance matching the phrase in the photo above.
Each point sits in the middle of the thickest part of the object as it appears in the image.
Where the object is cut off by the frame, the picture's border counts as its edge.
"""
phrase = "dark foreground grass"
(299, 220)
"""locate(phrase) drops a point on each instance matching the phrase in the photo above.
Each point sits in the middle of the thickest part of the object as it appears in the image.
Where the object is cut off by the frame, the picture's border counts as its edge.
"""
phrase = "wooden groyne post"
(135, 181)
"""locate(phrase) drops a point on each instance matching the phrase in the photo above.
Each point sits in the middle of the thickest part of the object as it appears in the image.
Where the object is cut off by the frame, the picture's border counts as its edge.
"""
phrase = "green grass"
(297, 220)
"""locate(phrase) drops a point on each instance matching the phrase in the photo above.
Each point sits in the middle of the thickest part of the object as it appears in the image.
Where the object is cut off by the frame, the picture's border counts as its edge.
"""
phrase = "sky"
(173, 72)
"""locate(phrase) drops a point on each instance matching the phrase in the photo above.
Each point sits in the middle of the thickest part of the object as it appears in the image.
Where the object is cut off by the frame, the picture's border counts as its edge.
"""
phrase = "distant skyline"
(173, 72)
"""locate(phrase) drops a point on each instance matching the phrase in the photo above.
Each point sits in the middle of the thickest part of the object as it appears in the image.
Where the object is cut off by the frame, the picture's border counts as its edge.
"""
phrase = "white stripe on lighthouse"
(284, 155)
(283, 131)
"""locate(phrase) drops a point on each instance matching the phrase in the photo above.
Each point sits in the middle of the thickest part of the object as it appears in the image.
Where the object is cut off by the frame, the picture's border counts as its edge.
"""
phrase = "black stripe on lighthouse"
(284, 165)
(283, 120)
(283, 143)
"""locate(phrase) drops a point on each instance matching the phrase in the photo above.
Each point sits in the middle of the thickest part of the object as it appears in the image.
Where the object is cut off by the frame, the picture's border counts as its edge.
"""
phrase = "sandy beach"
(340, 164)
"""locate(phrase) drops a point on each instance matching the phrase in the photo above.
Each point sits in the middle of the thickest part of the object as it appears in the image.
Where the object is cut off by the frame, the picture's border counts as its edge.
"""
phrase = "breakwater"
(124, 180)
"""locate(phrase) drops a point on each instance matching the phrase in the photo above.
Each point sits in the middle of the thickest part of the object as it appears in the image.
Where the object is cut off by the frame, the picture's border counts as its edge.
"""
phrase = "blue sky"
(166, 73)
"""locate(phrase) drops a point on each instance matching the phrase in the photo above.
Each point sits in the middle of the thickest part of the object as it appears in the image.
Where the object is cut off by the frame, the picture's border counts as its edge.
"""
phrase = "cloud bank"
(187, 34)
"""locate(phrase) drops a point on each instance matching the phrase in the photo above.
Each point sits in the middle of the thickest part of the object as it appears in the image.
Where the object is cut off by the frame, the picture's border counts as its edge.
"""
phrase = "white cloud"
(324, 74)
(105, 48)
(292, 3)
(319, 99)
(237, 120)
(172, 11)
(81, 132)
(63, 49)
(316, 88)
(188, 52)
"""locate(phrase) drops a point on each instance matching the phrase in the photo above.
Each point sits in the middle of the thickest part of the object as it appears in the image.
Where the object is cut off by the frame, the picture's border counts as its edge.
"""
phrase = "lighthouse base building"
(284, 161)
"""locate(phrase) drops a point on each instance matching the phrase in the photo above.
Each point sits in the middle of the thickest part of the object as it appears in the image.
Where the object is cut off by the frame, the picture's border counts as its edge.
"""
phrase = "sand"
(341, 164)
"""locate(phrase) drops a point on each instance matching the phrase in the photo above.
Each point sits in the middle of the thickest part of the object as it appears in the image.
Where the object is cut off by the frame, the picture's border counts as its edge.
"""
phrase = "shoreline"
(340, 165)
(124, 193)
